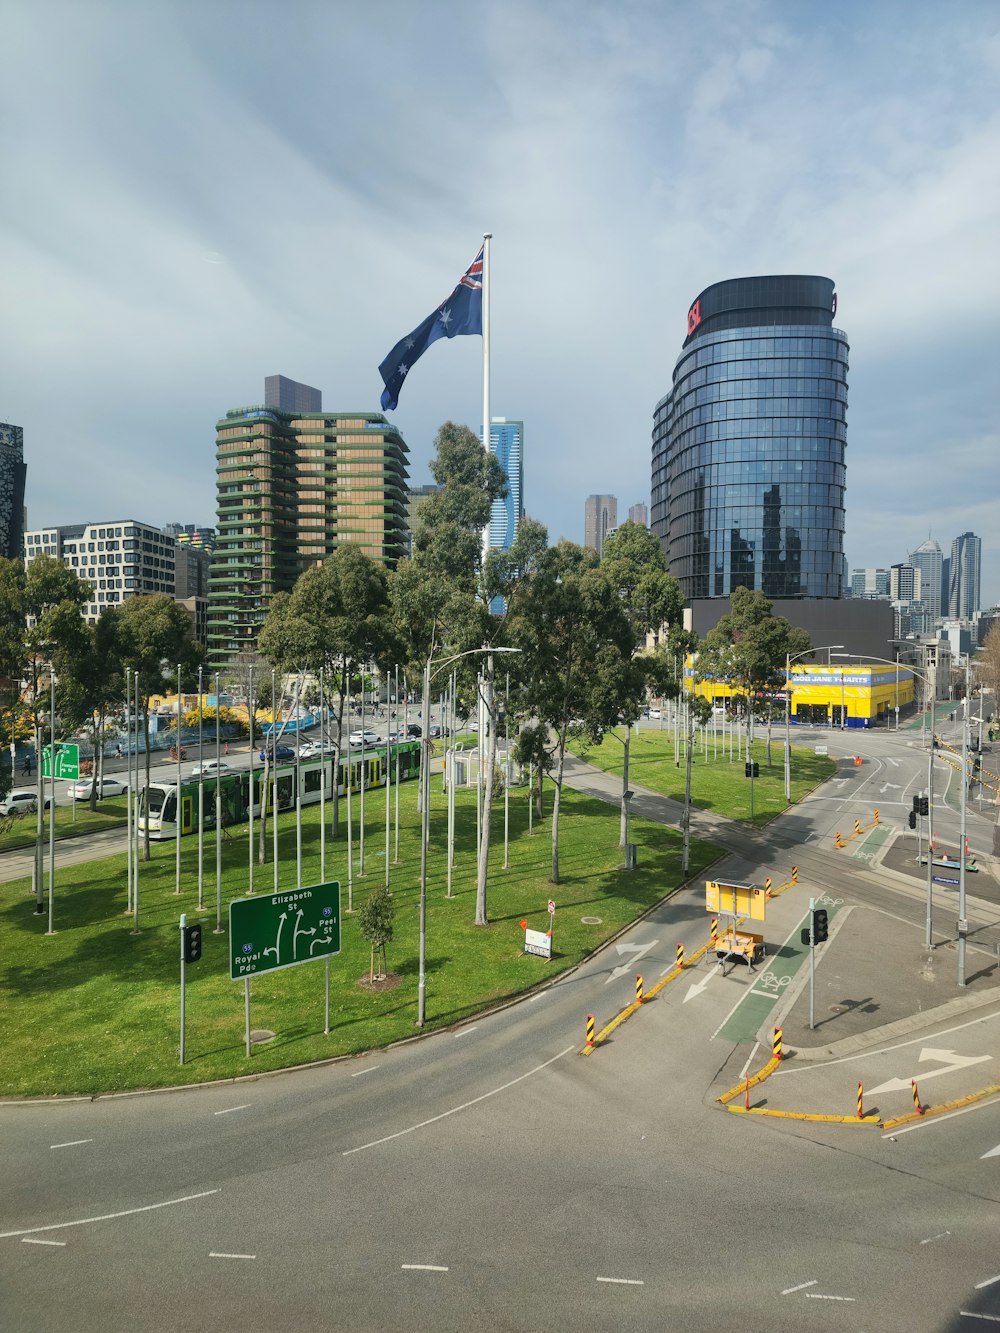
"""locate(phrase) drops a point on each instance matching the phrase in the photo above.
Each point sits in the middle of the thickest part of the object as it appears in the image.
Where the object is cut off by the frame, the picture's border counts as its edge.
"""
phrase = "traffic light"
(820, 926)
(192, 944)
(916, 806)
(752, 770)
(806, 937)
(925, 806)
(913, 819)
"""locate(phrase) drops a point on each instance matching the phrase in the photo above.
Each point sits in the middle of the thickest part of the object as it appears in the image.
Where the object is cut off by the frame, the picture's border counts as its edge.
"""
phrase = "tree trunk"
(769, 740)
(623, 835)
(557, 799)
(264, 788)
(484, 840)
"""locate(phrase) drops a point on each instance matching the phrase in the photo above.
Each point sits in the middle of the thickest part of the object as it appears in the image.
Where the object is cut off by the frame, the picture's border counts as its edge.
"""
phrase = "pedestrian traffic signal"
(806, 937)
(925, 806)
(913, 819)
(192, 944)
(821, 929)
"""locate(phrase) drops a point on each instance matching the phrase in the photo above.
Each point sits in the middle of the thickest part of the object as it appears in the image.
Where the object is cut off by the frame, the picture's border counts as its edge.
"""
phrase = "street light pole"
(807, 652)
(962, 923)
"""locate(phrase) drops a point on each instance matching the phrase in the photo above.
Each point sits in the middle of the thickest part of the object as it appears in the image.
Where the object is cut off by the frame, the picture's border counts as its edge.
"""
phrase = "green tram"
(158, 801)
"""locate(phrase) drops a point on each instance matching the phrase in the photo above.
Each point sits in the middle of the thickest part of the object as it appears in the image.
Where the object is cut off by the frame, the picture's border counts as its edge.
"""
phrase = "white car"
(654, 714)
(21, 802)
(310, 750)
(359, 738)
(210, 769)
(107, 786)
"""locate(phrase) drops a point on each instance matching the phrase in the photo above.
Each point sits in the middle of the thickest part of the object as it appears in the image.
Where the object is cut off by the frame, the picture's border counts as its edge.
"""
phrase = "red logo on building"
(694, 317)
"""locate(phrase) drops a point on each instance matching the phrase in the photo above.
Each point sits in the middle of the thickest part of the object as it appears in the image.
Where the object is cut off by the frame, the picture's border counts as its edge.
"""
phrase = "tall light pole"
(963, 925)
(425, 791)
(806, 652)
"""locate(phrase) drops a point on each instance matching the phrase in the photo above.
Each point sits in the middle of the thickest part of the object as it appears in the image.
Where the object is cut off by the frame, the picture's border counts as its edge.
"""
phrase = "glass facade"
(748, 471)
(507, 442)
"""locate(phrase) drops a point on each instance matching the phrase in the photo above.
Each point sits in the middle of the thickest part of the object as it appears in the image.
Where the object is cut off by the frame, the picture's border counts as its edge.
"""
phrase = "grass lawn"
(72, 819)
(95, 1008)
(717, 783)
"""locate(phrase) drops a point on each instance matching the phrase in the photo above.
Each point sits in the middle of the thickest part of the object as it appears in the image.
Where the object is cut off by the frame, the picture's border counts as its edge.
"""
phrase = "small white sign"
(822, 749)
(538, 942)
(552, 907)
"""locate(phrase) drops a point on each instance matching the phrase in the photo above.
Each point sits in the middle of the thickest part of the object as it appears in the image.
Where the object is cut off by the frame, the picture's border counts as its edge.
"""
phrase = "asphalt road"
(494, 1175)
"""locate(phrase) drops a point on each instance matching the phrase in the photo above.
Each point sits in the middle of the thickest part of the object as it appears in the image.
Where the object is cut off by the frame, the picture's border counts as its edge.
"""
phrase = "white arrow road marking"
(987, 1318)
(954, 1063)
(801, 1287)
(895, 762)
(697, 987)
(988, 1283)
(636, 950)
(888, 786)
(993, 1152)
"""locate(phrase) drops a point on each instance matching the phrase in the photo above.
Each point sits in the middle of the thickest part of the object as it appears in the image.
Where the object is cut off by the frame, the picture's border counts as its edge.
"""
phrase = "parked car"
(210, 768)
(107, 786)
(21, 803)
(654, 714)
(435, 732)
(280, 754)
(359, 738)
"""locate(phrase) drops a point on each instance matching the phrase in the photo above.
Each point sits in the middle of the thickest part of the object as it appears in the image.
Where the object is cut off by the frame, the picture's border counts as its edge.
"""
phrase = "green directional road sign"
(276, 930)
(67, 761)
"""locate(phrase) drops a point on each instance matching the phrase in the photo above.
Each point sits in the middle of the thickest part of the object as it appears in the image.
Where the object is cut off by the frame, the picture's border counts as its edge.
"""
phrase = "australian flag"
(461, 313)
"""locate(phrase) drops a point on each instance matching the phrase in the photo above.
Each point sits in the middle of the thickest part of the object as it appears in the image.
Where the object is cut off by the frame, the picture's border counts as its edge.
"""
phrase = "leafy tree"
(249, 676)
(988, 663)
(575, 638)
(748, 650)
(375, 921)
(91, 682)
(654, 604)
(12, 660)
(154, 638)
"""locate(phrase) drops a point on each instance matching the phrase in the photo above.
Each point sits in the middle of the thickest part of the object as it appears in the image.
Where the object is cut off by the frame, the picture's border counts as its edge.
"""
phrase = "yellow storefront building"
(857, 696)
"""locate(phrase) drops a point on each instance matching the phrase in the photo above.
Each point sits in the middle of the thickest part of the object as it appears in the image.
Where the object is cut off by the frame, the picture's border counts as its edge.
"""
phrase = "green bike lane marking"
(745, 1020)
(872, 844)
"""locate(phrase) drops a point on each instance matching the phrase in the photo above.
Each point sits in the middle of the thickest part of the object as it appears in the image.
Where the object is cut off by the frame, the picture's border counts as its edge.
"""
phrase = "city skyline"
(132, 279)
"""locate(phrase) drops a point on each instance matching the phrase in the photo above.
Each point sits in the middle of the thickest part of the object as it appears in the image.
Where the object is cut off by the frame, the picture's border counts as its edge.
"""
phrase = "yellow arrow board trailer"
(735, 899)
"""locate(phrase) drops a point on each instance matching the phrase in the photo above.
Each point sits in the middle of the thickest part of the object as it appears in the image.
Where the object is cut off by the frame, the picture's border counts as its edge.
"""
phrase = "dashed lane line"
(230, 1109)
(623, 1281)
(73, 1143)
(215, 1254)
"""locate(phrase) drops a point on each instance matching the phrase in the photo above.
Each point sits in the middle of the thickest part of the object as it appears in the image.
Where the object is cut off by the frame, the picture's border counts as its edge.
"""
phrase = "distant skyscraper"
(291, 396)
(964, 571)
(507, 442)
(600, 515)
(12, 474)
(189, 534)
(869, 582)
(748, 467)
(928, 559)
(904, 583)
(638, 513)
(119, 558)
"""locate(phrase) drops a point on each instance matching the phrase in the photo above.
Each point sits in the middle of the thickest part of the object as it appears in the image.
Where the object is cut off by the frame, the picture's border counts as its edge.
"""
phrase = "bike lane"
(753, 1010)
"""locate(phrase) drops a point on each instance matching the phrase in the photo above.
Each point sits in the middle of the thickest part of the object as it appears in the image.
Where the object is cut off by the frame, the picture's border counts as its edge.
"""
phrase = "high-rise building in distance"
(507, 443)
(118, 557)
(929, 560)
(638, 513)
(291, 396)
(190, 534)
(12, 474)
(600, 516)
(291, 488)
(964, 576)
(748, 469)
(869, 582)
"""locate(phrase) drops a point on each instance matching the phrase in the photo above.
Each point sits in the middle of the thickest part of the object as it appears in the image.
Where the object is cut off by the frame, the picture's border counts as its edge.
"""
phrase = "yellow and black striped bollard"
(590, 1030)
(776, 1044)
(795, 874)
(857, 826)
(680, 955)
(767, 886)
(861, 1101)
(638, 988)
(714, 934)
(838, 840)
(876, 815)
(916, 1098)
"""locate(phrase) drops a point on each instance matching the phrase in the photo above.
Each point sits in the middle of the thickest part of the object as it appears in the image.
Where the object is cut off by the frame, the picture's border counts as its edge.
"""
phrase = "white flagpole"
(487, 237)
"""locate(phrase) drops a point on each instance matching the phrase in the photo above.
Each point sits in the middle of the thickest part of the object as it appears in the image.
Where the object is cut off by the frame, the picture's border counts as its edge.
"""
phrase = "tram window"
(312, 779)
(285, 794)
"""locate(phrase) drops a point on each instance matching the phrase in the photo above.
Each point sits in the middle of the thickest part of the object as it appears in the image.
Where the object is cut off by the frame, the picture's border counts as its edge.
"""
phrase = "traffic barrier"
(746, 1103)
(638, 988)
(876, 815)
(767, 887)
(857, 761)
(590, 1030)
(916, 1098)
(795, 874)
(861, 1101)
(680, 955)
(838, 840)
(776, 1044)
(714, 935)
(857, 827)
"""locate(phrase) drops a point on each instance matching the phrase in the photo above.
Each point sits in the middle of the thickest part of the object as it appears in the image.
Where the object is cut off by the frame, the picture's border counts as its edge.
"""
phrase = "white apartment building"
(119, 558)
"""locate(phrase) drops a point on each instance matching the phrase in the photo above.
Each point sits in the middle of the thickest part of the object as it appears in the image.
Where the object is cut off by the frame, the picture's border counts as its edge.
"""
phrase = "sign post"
(270, 932)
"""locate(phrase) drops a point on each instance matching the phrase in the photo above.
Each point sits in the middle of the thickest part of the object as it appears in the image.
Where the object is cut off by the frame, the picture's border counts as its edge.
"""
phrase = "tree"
(988, 663)
(249, 676)
(154, 638)
(91, 682)
(748, 650)
(375, 923)
(575, 638)
(654, 604)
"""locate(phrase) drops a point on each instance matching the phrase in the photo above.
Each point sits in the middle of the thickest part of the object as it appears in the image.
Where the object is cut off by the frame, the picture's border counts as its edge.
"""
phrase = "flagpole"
(487, 438)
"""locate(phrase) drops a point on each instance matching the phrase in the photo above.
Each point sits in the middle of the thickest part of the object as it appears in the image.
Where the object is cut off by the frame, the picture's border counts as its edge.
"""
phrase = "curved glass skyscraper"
(748, 446)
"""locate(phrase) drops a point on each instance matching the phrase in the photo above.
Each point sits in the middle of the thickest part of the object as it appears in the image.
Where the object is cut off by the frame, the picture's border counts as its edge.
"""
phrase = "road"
(494, 1175)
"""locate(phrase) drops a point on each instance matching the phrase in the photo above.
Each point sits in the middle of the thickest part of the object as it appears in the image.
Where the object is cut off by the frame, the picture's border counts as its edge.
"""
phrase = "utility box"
(631, 860)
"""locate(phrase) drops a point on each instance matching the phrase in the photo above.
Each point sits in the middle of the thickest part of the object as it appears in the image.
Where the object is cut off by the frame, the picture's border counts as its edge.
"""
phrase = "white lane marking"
(455, 1109)
(358, 1072)
(743, 1071)
(697, 987)
(987, 1318)
(73, 1143)
(954, 1062)
(993, 1152)
(109, 1217)
(949, 1115)
(214, 1254)
(465, 1032)
(623, 1281)
(988, 1283)
(424, 1268)
(636, 950)
(933, 1238)
(801, 1287)
(34, 1240)
(884, 1050)
(229, 1109)
(818, 1296)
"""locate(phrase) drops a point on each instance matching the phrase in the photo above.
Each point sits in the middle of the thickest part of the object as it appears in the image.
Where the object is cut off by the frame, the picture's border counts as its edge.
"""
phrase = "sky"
(196, 195)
